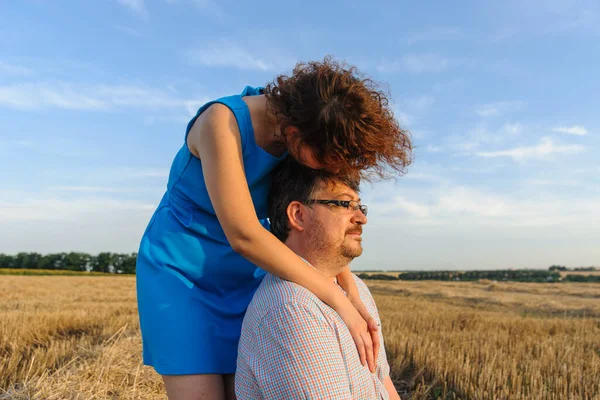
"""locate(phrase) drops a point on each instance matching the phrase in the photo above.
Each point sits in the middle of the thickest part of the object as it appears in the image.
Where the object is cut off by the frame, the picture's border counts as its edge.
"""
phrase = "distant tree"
(35, 259)
(383, 277)
(558, 268)
(582, 278)
(587, 269)
(128, 265)
(53, 261)
(124, 263)
(6, 261)
(21, 261)
(73, 261)
(103, 262)
(76, 261)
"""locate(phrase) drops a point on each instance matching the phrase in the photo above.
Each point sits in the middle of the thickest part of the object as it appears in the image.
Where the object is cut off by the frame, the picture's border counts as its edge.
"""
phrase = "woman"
(208, 245)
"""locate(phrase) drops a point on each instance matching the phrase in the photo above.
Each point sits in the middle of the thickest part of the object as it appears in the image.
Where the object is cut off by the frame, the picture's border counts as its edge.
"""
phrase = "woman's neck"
(266, 131)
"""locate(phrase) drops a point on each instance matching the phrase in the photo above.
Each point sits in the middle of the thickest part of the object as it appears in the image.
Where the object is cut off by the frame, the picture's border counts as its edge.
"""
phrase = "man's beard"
(319, 246)
(350, 251)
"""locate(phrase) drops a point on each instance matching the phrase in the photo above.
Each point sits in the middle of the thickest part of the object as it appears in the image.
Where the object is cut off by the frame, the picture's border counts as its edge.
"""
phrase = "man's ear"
(296, 215)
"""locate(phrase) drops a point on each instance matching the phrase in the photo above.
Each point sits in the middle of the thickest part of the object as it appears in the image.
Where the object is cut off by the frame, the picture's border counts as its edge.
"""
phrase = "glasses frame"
(343, 204)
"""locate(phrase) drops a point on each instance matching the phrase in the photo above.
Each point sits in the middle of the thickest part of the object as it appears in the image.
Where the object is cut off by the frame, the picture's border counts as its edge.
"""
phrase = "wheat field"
(77, 337)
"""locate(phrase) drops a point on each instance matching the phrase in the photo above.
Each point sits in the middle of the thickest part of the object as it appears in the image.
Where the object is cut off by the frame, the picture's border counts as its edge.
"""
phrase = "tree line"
(579, 269)
(125, 264)
(498, 275)
(73, 261)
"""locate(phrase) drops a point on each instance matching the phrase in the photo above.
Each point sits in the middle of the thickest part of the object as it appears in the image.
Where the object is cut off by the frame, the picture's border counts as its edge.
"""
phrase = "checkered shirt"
(294, 346)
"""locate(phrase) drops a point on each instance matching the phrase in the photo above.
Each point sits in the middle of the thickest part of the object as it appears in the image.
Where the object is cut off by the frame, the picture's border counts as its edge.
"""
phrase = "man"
(292, 344)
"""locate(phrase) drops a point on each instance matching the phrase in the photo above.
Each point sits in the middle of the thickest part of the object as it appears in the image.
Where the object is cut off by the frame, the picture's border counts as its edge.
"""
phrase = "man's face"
(334, 230)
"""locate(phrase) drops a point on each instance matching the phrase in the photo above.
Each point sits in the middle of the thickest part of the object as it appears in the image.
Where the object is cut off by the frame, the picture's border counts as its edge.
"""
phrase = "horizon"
(499, 99)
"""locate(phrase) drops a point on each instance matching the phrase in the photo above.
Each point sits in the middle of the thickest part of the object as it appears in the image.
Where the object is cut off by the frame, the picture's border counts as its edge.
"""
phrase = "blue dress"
(192, 287)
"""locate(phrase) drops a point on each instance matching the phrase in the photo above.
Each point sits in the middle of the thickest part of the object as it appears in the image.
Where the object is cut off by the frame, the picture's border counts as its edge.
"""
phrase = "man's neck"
(326, 263)
(329, 267)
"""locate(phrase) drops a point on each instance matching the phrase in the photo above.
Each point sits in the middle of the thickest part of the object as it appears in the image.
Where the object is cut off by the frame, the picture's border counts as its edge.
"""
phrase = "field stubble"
(73, 337)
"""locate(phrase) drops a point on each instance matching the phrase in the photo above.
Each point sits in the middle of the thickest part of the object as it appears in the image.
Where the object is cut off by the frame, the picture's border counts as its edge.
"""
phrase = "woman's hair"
(343, 117)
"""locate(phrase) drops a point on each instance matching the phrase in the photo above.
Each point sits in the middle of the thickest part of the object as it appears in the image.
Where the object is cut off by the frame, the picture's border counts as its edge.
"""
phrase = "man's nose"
(359, 217)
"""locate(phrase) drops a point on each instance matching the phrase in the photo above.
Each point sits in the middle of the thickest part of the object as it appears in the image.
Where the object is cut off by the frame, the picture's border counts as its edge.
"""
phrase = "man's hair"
(342, 116)
(294, 182)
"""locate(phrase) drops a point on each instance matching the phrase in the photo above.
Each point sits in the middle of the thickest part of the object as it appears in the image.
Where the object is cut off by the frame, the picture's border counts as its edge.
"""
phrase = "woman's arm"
(215, 139)
(346, 281)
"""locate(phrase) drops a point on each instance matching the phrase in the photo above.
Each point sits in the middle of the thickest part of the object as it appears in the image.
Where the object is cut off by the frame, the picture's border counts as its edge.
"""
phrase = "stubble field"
(77, 337)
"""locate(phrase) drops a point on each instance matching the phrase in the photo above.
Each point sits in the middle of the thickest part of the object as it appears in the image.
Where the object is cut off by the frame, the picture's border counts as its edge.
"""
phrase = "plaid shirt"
(294, 346)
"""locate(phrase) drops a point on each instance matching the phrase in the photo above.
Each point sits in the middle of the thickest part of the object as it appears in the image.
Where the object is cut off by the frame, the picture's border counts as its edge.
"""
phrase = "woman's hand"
(372, 326)
(360, 333)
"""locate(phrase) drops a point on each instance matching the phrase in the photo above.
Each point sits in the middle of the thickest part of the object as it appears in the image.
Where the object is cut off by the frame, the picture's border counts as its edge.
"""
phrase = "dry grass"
(72, 337)
(493, 340)
(55, 272)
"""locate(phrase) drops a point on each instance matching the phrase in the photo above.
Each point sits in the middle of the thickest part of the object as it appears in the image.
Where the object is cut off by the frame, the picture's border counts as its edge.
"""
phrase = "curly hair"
(342, 116)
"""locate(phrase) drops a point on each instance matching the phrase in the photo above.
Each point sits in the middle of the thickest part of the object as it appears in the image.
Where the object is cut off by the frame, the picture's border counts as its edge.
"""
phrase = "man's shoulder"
(365, 295)
(275, 293)
(362, 286)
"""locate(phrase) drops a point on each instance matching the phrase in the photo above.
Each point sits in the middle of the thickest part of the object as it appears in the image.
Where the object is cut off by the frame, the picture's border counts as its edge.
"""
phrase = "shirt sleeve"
(299, 356)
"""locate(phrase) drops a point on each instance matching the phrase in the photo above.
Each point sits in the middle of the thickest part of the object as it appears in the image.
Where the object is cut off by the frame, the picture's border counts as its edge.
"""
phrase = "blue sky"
(501, 99)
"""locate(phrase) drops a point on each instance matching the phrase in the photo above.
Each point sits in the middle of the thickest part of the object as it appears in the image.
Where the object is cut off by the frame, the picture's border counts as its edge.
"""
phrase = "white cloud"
(424, 177)
(42, 209)
(408, 111)
(153, 178)
(129, 31)
(96, 97)
(229, 53)
(403, 118)
(499, 108)
(89, 189)
(482, 135)
(512, 129)
(421, 103)
(12, 69)
(462, 200)
(556, 16)
(204, 6)
(166, 119)
(433, 34)
(138, 7)
(411, 208)
(471, 229)
(417, 64)
(553, 182)
(577, 130)
(433, 149)
(49, 225)
(462, 206)
(149, 173)
(16, 143)
(32, 96)
(546, 148)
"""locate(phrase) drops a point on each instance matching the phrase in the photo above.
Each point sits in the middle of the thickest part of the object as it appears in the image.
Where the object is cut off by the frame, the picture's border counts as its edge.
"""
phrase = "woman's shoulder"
(253, 91)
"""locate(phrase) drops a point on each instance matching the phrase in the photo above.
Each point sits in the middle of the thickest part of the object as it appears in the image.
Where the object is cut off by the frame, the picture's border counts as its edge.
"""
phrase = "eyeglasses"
(343, 204)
